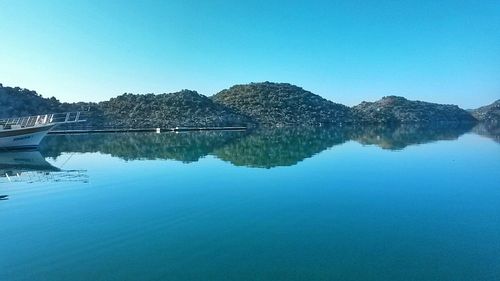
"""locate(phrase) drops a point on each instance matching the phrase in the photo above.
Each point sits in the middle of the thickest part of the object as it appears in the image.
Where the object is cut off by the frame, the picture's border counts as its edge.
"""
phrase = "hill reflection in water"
(399, 137)
(186, 147)
(263, 148)
(267, 148)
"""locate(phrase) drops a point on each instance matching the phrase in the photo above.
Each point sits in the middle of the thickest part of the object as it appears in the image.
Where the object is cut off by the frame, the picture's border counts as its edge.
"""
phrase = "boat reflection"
(31, 166)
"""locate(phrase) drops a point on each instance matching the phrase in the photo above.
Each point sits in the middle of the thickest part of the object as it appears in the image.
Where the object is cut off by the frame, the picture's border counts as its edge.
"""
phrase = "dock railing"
(40, 120)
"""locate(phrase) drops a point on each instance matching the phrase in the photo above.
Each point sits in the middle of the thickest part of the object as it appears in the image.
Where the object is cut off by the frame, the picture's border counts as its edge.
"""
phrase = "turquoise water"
(376, 204)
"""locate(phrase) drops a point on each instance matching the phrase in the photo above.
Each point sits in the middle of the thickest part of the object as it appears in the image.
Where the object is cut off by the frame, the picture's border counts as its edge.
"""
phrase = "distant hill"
(18, 102)
(257, 104)
(489, 113)
(15, 101)
(278, 104)
(398, 110)
(184, 108)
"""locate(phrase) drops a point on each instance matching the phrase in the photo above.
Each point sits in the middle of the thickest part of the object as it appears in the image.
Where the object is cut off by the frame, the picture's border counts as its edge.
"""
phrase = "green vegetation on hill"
(489, 116)
(396, 110)
(184, 108)
(278, 104)
(15, 101)
(257, 104)
(18, 102)
(489, 113)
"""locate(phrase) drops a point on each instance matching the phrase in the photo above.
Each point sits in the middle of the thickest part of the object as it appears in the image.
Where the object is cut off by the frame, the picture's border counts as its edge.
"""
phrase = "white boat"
(28, 132)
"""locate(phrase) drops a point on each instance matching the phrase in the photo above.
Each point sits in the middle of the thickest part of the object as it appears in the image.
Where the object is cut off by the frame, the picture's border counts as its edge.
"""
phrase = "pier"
(157, 130)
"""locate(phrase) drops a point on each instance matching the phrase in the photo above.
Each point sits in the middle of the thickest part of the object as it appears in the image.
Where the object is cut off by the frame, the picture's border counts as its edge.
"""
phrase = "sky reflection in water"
(318, 204)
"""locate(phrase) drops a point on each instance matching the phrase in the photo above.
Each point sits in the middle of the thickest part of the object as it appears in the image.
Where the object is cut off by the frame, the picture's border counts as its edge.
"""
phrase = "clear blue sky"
(346, 51)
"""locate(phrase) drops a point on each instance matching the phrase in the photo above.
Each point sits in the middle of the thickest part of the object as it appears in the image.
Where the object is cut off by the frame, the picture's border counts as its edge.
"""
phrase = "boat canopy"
(41, 120)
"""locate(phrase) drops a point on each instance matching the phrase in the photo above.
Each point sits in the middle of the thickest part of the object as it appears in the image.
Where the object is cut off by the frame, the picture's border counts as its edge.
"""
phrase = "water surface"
(403, 203)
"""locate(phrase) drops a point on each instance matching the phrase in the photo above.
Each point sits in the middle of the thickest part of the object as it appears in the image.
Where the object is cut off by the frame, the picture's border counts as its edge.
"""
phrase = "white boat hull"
(24, 137)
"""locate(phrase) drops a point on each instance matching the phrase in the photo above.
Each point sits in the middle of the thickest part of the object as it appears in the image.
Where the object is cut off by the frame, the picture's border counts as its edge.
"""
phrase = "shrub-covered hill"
(397, 110)
(267, 104)
(489, 113)
(277, 104)
(15, 101)
(19, 102)
(184, 108)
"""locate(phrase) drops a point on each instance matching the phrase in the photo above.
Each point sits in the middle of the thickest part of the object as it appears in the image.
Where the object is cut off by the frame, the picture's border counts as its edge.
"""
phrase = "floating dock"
(157, 130)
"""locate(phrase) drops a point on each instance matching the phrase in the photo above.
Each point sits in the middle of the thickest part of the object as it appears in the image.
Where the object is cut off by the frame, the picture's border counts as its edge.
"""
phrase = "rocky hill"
(15, 101)
(280, 104)
(184, 108)
(398, 110)
(257, 104)
(489, 113)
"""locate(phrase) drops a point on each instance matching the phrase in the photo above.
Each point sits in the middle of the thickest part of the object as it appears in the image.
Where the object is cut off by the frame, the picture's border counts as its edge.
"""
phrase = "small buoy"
(157, 130)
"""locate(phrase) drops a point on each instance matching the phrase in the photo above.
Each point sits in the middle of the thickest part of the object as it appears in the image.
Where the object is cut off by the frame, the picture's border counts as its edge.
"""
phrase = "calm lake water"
(316, 204)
